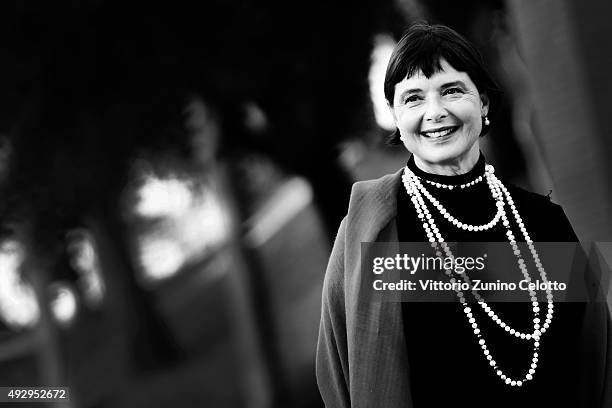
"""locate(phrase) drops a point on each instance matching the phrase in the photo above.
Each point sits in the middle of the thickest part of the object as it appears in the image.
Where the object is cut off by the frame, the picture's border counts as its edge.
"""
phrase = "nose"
(434, 110)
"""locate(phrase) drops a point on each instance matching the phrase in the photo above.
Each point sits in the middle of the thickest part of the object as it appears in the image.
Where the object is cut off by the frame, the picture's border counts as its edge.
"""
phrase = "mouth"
(440, 132)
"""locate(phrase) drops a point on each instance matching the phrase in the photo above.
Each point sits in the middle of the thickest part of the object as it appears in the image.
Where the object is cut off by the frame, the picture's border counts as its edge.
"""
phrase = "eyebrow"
(408, 92)
(454, 83)
(443, 86)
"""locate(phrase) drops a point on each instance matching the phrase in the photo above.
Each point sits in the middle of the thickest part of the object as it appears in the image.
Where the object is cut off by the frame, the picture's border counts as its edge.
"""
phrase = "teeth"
(438, 134)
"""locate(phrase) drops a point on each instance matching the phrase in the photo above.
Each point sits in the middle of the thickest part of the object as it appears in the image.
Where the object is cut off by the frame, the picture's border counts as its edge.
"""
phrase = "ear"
(484, 104)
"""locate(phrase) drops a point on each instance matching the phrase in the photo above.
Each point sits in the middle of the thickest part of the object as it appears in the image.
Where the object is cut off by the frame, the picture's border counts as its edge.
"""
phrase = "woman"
(386, 354)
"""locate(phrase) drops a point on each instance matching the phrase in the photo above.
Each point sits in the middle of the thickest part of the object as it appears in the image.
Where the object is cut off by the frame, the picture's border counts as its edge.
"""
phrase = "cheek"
(468, 114)
(409, 123)
(475, 122)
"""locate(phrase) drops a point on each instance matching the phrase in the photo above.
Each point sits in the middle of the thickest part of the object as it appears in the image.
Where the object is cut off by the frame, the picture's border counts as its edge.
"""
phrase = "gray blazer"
(361, 351)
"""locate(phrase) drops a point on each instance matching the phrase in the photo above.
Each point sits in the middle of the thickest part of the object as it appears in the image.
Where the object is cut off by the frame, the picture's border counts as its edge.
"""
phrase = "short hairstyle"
(422, 47)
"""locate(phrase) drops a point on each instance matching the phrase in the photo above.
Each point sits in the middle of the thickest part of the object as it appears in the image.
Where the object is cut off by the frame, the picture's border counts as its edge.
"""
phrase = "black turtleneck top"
(447, 367)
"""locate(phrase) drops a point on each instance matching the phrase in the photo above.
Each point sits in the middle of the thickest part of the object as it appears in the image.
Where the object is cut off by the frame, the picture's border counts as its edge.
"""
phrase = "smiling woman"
(436, 83)
(390, 354)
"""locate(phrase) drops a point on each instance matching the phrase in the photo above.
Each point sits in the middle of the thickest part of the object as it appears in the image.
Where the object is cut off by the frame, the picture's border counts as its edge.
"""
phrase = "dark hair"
(422, 47)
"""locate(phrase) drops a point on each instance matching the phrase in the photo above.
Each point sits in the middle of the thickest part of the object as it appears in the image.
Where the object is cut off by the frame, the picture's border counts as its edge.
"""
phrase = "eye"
(452, 91)
(410, 99)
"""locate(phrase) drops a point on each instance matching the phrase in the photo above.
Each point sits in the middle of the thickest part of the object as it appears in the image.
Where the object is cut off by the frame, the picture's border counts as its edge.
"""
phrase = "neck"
(456, 166)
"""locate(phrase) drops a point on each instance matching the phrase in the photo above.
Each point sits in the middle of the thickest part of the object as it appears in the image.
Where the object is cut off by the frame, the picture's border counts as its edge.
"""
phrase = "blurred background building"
(171, 178)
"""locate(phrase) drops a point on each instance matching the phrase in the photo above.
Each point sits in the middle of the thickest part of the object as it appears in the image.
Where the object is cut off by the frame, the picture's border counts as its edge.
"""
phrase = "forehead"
(445, 75)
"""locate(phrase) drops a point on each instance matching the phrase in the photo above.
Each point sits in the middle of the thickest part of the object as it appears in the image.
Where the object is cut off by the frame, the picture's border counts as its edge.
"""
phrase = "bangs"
(426, 57)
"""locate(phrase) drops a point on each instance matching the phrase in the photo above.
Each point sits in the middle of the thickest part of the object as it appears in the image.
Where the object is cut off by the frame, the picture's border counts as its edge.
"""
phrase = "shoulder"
(373, 192)
(529, 198)
(545, 220)
(372, 205)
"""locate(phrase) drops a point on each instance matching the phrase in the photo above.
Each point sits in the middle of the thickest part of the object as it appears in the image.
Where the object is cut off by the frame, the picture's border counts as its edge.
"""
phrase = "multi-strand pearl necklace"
(417, 191)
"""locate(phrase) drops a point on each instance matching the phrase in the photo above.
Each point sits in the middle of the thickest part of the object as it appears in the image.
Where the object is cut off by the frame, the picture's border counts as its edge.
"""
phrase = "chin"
(444, 155)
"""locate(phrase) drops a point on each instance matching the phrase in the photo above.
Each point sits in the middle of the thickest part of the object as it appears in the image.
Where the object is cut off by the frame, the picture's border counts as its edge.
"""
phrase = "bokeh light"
(19, 308)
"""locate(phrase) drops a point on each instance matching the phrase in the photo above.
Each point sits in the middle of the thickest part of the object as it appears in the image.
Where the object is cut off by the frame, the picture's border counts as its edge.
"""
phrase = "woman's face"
(440, 117)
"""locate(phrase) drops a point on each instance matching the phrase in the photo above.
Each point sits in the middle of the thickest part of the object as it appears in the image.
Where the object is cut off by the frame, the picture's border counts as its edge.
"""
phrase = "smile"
(439, 132)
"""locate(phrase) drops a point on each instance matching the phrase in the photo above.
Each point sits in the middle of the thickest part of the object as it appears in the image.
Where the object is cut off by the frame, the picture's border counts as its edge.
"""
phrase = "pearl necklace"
(416, 191)
(450, 186)
(497, 194)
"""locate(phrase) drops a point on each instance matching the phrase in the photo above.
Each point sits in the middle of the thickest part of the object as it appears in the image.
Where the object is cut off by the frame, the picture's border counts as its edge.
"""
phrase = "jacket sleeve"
(332, 354)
